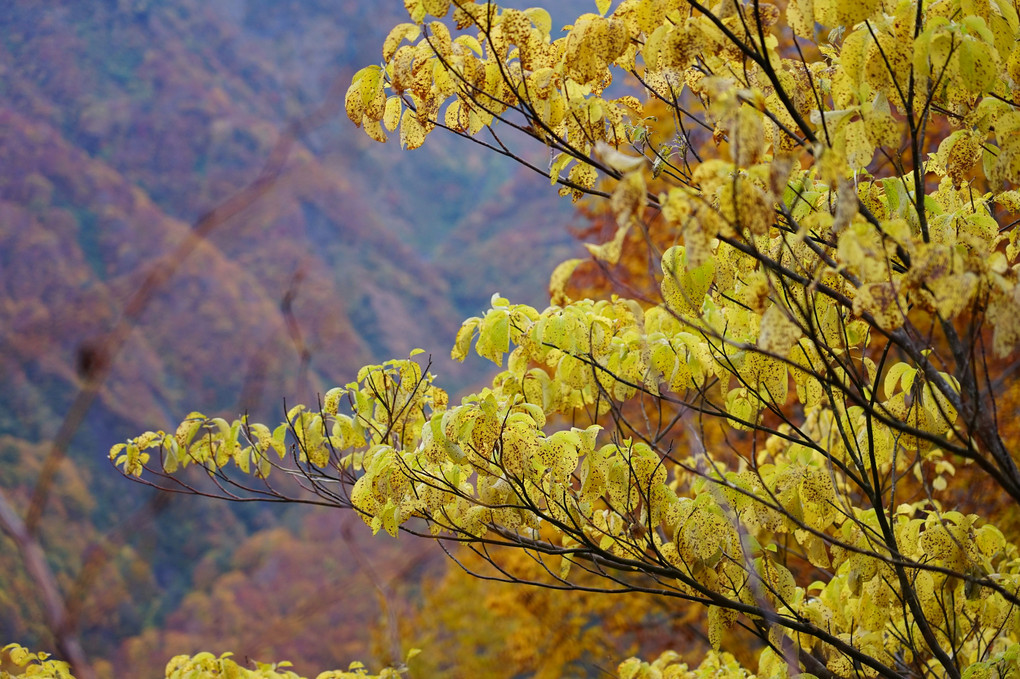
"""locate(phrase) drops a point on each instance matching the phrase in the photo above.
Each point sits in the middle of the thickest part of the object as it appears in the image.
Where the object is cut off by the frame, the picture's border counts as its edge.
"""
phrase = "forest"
(746, 277)
(111, 157)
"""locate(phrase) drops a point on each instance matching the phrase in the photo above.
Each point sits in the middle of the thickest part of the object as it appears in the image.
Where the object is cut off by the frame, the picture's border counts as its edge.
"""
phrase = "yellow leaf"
(749, 137)
(743, 204)
(455, 117)
(778, 333)
(562, 160)
(883, 302)
(540, 18)
(684, 289)
(440, 39)
(852, 12)
(859, 149)
(628, 198)
(621, 162)
(977, 65)
(494, 335)
(1006, 321)
(437, 8)
(610, 252)
(374, 129)
(800, 14)
(516, 27)
(19, 655)
(719, 622)
(652, 45)
(372, 95)
(559, 279)
(391, 116)
(882, 129)
(397, 35)
(412, 134)
(416, 10)
(354, 104)
(584, 176)
(464, 336)
(963, 153)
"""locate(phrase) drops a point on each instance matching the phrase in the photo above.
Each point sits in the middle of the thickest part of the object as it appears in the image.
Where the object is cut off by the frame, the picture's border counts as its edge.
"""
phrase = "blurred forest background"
(122, 123)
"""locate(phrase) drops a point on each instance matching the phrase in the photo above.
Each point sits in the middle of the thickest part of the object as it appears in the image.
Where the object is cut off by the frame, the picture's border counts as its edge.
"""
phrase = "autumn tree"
(801, 358)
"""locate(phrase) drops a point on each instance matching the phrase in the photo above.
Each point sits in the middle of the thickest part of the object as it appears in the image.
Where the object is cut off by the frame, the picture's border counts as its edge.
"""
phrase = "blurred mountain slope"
(122, 123)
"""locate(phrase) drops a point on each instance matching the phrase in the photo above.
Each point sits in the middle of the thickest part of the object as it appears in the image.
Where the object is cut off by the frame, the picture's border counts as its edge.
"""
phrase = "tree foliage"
(200, 666)
(772, 429)
(539, 632)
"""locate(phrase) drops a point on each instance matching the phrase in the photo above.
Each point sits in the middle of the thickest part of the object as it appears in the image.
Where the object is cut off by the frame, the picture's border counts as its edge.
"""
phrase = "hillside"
(122, 123)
